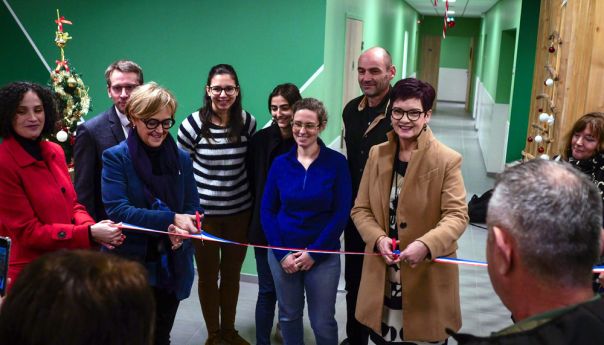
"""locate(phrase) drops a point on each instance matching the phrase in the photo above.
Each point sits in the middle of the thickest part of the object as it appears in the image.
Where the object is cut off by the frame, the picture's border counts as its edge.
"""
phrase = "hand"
(107, 233)
(384, 246)
(415, 253)
(175, 239)
(289, 264)
(186, 222)
(303, 260)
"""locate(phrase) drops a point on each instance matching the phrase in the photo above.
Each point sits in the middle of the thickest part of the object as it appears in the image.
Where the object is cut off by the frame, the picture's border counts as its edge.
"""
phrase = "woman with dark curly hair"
(38, 205)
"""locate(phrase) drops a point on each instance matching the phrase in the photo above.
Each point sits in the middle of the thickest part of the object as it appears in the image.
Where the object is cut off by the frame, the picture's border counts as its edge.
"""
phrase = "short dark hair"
(10, 97)
(79, 297)
(410, 88)
(124, 66)
(289, 91)
(554, 212)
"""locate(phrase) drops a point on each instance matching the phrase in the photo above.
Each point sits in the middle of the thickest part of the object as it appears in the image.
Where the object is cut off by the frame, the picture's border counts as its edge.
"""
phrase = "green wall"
(521, 16)
(454, 51)
(522, 87)
(176, 45)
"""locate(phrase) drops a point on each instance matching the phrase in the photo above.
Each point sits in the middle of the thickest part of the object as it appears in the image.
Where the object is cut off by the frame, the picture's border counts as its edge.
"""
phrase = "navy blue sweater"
(306, 208)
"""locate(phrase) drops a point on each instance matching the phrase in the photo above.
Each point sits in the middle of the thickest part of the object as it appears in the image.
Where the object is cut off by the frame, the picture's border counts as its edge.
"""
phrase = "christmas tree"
(72, 95)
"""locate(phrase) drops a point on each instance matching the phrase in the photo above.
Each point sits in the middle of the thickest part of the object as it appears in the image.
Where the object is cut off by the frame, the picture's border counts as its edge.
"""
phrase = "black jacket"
(582, 324)
(260, 155)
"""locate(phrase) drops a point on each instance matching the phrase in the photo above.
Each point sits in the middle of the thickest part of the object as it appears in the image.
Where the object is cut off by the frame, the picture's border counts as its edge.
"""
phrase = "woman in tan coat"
(411, 190)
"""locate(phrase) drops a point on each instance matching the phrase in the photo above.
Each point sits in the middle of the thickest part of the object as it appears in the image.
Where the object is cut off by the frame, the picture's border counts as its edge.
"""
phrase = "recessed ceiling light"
(450, 12)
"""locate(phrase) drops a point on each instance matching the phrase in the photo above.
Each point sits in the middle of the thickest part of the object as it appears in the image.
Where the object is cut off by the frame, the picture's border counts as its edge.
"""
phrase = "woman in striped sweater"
(217, 138)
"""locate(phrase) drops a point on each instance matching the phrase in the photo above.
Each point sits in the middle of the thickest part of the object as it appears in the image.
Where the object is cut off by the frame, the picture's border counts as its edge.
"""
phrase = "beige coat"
(432, 209)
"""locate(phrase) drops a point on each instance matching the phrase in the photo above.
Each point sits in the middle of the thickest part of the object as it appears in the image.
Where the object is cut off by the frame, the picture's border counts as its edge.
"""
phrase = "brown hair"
(595, 122)
(315, 106)
(73, 297)
(124, 66)
(147, 100)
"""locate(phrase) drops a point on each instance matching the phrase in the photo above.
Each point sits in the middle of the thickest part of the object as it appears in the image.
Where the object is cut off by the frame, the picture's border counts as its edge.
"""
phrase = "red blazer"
(38, 205)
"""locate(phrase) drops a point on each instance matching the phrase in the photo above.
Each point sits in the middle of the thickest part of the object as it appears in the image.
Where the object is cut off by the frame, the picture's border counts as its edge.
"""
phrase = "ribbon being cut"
(204, 236)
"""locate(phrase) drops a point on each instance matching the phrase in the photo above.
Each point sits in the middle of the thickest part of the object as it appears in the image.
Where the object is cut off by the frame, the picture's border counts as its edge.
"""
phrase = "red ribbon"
(61, 63)
(62, 21)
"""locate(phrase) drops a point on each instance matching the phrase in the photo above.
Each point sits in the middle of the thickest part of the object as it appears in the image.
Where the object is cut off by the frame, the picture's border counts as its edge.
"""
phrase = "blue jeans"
(321, 286)
(267, 298)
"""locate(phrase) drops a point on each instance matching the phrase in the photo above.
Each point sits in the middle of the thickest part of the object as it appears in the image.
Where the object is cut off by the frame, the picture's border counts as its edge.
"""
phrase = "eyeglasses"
(412, 115)
(309, 126)
(153, 123)
(120, 88)
(228, 90)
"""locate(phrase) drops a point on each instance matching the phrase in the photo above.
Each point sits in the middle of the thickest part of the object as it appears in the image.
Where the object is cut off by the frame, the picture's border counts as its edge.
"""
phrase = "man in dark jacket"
(366, 124)
(103, 131)
(544, 222)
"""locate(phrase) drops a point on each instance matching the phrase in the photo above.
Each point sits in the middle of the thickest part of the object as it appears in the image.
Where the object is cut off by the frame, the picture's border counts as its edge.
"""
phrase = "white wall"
(452, 84)
(493, 125)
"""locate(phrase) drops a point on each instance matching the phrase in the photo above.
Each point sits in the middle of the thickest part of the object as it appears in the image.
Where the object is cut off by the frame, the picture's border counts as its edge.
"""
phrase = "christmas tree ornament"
(544, 156)
(540, 149)
(538, 138)
(550, 120)
(72, 94)
(543, 117)
(62, 136)
(529, 139)
(551, 49)
(549, 82)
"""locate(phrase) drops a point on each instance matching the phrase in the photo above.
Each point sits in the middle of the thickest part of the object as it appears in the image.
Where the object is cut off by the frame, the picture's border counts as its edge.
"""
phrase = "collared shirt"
(365, 126)
(124, 121)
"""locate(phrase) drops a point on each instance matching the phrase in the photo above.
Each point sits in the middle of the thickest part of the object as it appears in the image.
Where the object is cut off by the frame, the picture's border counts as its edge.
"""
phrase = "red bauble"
(529, 139)
(540, 110)
(551, 49)
(451, 23)
(540, 149)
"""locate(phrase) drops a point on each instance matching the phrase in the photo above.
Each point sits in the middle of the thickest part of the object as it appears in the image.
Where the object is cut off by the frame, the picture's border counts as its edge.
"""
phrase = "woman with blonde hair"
(147, 181)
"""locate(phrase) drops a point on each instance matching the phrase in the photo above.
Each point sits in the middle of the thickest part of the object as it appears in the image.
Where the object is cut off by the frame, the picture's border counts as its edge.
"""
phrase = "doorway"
(429, 57)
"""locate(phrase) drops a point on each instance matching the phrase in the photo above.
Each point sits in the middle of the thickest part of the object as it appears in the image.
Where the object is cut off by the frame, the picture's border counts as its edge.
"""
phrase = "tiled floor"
(482, 311)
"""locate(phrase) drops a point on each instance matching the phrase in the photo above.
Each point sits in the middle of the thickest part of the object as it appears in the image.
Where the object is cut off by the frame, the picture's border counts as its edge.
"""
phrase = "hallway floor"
(482, 312)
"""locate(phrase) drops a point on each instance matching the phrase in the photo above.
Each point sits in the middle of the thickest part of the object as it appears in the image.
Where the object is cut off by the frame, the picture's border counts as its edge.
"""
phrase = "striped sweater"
(218, 165)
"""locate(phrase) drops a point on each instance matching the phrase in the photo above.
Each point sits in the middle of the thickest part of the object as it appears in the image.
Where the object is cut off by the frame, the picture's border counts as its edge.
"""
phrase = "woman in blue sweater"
(306, 203)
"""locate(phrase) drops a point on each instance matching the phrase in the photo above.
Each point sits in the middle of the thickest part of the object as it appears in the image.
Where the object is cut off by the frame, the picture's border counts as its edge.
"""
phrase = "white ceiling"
(462, 8)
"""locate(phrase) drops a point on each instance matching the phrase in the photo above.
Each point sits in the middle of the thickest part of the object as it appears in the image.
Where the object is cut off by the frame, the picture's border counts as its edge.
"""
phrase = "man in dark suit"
(102, 132)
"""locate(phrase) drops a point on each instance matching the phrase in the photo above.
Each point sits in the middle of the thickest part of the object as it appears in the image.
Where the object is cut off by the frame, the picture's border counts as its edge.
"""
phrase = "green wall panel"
(455, 52)
(176, 43)
(523, 83)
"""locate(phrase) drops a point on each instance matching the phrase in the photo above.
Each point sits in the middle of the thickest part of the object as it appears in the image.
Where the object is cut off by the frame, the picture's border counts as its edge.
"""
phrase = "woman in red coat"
(38, 205)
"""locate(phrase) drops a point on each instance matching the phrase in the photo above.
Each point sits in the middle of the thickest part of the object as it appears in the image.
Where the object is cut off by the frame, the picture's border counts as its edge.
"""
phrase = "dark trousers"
(166, 305)
(219, 297)
(267, 298)
(357, 333)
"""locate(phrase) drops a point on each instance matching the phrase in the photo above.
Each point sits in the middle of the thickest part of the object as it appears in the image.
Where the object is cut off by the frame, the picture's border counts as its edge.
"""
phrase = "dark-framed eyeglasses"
(153, 123)
(228, 90)
(412, 115)
(309, 126)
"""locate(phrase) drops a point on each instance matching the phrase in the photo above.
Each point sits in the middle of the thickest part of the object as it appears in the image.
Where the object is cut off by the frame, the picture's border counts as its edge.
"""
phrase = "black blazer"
(260, 155)
(92, 138)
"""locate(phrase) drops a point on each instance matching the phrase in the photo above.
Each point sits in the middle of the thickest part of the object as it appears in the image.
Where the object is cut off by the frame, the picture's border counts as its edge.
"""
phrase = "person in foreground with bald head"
(544, 221)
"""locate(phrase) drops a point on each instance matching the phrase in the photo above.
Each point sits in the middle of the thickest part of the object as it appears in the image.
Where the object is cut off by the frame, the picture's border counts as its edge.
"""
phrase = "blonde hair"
(149, 99)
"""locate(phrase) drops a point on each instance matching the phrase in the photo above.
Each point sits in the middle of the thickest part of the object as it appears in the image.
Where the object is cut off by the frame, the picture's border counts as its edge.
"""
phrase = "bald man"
(365, 125)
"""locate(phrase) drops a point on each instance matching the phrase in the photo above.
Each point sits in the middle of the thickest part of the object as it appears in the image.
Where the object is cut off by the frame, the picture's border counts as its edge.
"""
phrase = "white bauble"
(543, 117)
(550, 120)
(62, 136)
(549, 82)
(538, 139)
